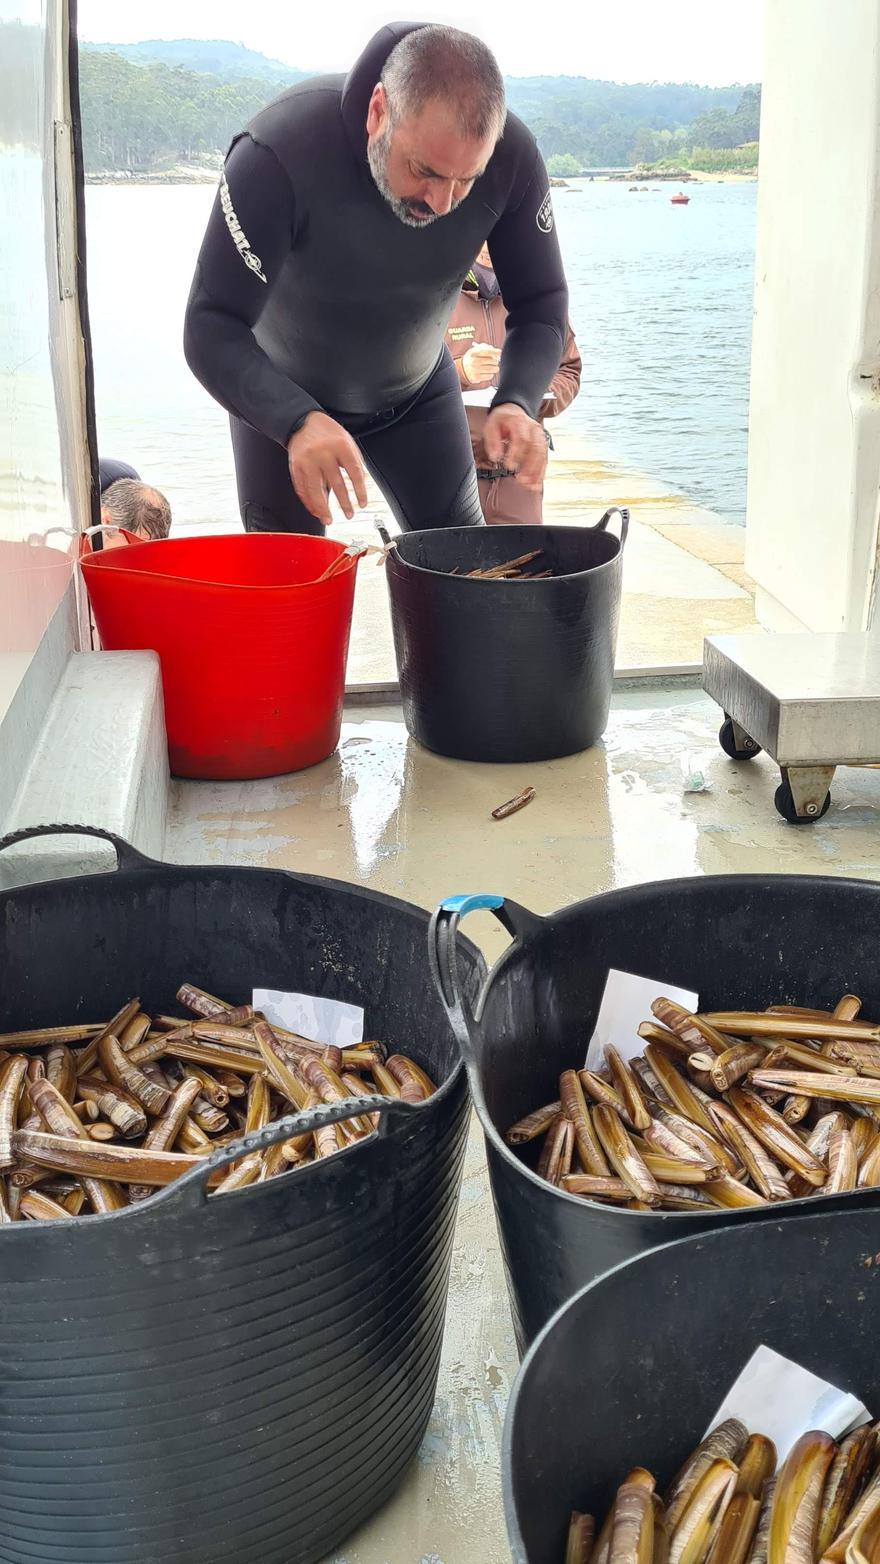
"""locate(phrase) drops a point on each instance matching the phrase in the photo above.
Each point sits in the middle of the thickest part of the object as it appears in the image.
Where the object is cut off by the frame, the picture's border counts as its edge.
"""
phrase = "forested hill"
(152, 105)
(606, 124)
(215, 57)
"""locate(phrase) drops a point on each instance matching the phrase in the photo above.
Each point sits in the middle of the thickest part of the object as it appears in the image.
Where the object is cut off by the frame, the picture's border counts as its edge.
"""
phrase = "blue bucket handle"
(443, 960)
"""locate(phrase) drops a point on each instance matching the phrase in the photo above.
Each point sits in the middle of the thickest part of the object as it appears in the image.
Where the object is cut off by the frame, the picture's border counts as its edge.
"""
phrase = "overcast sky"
(709, 41)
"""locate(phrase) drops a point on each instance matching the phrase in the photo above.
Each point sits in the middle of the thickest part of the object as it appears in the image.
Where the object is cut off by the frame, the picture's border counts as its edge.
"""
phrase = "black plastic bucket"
(739, 941)
(241, 1379)
(506, 670)
(631, 1371)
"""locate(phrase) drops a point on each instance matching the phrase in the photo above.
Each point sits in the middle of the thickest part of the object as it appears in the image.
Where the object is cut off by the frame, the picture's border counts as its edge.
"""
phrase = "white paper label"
(776, 1397)
(626, 1003)
(318, 1019)
(486, 397)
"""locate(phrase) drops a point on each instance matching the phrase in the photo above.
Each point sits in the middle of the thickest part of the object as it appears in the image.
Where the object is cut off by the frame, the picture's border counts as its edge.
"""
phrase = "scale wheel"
(727, 740)
(784, 801)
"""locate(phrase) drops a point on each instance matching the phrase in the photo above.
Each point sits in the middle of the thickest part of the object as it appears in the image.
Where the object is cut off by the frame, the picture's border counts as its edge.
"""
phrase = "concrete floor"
(383, 812)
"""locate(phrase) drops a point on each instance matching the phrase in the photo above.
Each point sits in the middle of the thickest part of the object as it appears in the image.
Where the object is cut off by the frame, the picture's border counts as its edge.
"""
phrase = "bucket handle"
(190, 1192)
(127, 857)
(85, 537)
(443, 959)
(615, 510)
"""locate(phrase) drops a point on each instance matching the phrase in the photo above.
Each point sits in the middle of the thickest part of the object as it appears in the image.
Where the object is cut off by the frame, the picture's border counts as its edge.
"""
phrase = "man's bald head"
(442, 65)
(137, 507)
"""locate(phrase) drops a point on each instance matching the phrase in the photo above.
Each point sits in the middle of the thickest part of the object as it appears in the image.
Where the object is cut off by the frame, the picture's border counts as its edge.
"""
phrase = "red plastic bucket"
(253, 647)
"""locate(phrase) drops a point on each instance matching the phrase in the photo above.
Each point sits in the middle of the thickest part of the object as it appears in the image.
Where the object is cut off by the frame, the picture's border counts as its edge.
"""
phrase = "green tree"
(724, 160)
(747, 116)
(561, 165)
(139, 117)
(722, 130)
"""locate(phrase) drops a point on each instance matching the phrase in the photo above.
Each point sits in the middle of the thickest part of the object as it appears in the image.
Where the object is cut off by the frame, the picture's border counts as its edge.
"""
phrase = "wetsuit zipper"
(489, 327)
(490, 332)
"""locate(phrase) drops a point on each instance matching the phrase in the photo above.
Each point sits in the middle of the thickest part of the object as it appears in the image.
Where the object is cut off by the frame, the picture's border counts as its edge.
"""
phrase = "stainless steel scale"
(812, 702)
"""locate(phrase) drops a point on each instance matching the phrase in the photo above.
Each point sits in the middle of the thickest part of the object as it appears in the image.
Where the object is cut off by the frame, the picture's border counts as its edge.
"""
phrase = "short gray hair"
(442, 63)
(137, 507)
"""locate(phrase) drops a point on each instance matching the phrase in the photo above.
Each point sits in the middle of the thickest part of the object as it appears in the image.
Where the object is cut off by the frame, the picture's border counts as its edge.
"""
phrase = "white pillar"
(814, 422)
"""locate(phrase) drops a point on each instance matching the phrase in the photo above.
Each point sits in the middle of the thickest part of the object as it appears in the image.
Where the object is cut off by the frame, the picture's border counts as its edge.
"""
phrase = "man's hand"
(320, 456)
(480, 363)
(513, 439)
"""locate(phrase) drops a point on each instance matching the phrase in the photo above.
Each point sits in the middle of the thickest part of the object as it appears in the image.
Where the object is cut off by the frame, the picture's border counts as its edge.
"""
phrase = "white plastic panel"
(814, 447)
(43, 464)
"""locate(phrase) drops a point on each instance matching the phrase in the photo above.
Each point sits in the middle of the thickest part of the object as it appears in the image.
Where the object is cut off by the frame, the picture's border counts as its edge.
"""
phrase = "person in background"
(129, 503)
(475, 337)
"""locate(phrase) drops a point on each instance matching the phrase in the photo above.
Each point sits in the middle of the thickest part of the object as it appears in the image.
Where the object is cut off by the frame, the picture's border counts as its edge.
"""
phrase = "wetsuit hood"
(362, 78)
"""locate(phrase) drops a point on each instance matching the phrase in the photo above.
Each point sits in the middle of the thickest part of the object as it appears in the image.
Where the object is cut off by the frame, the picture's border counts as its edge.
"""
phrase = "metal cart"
(812, 702)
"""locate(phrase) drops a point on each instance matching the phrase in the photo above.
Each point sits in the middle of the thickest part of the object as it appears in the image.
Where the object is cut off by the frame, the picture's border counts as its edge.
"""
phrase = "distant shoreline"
(729, 178)
(200, 174)
(181, 174)
(653, 181)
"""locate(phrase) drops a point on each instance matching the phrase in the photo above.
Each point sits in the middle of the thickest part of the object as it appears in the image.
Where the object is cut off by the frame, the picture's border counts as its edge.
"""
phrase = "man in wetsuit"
(348, 213)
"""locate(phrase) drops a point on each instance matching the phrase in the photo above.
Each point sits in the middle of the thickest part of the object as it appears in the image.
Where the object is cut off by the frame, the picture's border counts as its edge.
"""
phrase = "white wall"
(814, 427)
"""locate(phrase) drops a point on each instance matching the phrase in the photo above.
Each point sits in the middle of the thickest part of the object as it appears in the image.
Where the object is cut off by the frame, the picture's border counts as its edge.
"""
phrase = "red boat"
(680, 199)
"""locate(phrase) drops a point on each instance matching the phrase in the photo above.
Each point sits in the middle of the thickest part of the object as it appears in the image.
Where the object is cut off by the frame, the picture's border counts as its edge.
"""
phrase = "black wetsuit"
(310, 294)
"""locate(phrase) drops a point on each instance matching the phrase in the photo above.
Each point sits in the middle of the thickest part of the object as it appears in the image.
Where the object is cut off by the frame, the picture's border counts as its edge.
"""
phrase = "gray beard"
(377, 157)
